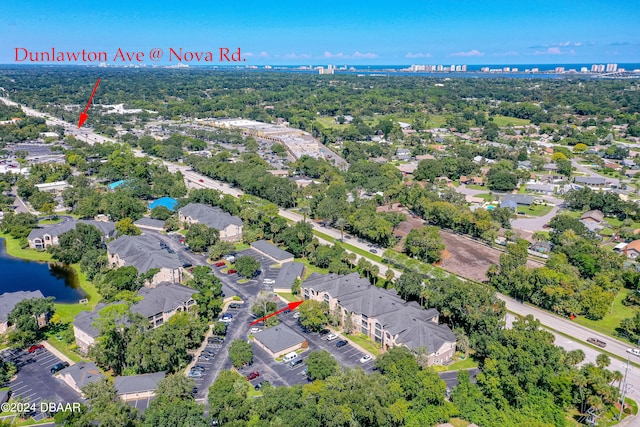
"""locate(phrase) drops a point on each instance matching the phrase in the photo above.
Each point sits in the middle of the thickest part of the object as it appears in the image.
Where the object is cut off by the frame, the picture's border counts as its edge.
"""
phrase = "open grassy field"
(506, 121)
(536, 210)
(611, 321)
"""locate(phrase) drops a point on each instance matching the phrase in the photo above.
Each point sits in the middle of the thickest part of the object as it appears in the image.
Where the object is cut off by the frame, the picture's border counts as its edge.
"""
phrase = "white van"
(289, 357)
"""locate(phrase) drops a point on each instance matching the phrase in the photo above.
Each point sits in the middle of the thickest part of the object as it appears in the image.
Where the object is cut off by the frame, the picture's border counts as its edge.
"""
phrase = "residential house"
(159, 304)
(229, 226)
(289, 272)
(80, 374)
(272, 251)
(279, 340)
(541, 247)
(144, 253)
(513, 201)
(632, 250)
(550, 167)
(42, 238)
(8, 301)
(408, 168)
(593, 220)
(134, 387)
(591, 181)
(382, 315)
(541, 188)
(403, 154)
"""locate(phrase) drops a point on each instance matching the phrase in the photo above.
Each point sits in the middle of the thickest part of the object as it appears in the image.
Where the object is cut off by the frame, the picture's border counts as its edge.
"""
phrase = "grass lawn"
(536, 210)
(309, 268)
(485, 196)
(613, 222)
(289, 296)
(476, 187)
(243, 281)
(241, 246)
(13, 248)
(458, 422)
(467, 363)
(506, 121)
(63, 348)
(364, 342)
(49, 221)
(68, 312)
(611, 321)
(329, 122)
(436, 121)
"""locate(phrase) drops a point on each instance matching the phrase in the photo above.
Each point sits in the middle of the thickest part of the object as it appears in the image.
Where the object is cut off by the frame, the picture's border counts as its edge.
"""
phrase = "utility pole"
(623, 390)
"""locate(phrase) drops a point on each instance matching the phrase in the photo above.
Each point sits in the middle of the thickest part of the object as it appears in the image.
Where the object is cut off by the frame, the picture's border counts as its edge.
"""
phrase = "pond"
(52, 279)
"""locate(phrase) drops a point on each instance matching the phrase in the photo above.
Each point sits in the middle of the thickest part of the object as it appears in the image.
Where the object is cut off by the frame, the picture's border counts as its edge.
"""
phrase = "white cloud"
(297, 56)
(554, 51)
(473, 52)
(368, 55)
(263, 54)
(355, 55)
(417, 55)
(248, 54)
(509, 53)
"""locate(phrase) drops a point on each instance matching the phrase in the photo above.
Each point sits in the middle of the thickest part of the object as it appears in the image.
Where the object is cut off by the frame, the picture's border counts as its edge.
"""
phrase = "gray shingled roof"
(86, 319)
(9, 300)
(165, 297)
(590, 180)
(271, 250)
(279, 338)
(106, 228)
(519, 199)
(412, 324)
(212, 217)
(149, 222)
(143, 252)
(83, 373)
(137, 383)
(288, 273)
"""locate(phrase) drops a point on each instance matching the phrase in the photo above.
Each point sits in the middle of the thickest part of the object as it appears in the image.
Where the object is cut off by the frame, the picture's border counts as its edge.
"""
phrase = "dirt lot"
(470, 259)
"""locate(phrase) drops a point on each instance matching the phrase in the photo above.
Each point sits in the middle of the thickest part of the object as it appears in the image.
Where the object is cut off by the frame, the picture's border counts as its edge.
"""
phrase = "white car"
(254, 330)
(365, 358)
(268, 281)
(331, 337)
(634, 351)
(296, 315)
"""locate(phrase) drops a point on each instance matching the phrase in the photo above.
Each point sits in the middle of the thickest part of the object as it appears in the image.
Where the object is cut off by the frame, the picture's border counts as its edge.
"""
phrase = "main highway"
(560, 326)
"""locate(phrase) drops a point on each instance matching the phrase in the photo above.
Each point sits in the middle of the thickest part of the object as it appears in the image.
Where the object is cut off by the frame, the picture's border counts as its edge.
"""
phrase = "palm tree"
(375, 271)
(341, 223)
(390, 276)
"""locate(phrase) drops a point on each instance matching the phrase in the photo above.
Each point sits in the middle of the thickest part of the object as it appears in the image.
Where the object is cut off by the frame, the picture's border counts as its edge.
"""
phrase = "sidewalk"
(58, 354)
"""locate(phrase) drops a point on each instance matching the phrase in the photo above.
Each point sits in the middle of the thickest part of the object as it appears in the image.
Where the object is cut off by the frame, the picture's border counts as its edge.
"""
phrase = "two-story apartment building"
(158, 305)
(145, 253)
(382, 315)
(8, 301)
(42, 238)
(229, 226)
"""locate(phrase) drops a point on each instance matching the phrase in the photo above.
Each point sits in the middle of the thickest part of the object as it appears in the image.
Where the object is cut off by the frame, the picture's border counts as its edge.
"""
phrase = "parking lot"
(34, 380)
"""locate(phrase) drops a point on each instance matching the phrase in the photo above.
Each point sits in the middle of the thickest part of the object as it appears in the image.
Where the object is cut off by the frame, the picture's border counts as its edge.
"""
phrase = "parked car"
(295, 363)
(195, 374)
(201, 180)
(261, 384)
(35, 348)
(373, 251)
(227, 316)
(365, 358)
(254, 330)
(324, 332)
(199, 368)
(220, 264)
(253, 375)
(194, 391)
(235, 305)
(341, 343)
(59, 366)
(296, 315)
(215, 340)
(596, 341)
(268, 281)
(331, 337)
(232, 271)
(205, 356)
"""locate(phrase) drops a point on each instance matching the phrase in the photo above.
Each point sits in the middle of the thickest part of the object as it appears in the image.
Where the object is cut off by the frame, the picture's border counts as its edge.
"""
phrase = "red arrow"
(290, 306)
(83, 115)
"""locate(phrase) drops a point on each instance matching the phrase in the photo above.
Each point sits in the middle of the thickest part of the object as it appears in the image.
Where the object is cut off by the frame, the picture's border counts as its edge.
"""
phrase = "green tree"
(161, 212)
(320, 365)
(425, 244)
(220, 249)
(126, 227)
(240, 353)
(199, 237)
(247, 266)
(314, 315)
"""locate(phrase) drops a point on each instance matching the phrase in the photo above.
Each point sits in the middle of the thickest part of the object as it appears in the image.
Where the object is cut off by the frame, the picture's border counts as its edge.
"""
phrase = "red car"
(201, 180)
(232, 271)
(220, 264)
(35, 348)
(253, 375)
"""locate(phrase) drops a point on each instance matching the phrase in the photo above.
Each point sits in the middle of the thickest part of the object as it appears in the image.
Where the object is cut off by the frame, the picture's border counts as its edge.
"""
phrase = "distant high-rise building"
(584, 69)
(559, 70)
(594, 68)
(484, 69)
(453, 68)
(535, 70)
(464, 67)
(506, 69)
(612, 68)
(514, 70)
(440, 67)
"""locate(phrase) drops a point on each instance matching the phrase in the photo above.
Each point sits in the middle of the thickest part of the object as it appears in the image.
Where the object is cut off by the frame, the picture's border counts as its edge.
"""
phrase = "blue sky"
(347, 32)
